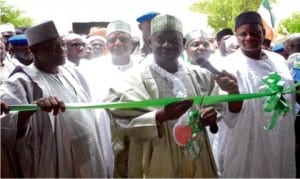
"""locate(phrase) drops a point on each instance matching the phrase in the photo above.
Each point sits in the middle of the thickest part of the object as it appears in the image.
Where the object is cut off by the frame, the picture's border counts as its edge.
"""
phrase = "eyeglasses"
(121, 39)
(97, 45)
(78, 45)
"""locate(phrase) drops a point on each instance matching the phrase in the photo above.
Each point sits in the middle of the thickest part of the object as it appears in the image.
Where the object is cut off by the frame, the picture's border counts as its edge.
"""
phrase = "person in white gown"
(249, 150)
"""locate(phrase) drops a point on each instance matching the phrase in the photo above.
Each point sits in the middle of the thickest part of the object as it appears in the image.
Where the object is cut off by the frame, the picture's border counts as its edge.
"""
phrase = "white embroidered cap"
(194, 34)
(118, 26)
(96, 37)
(165, 22)
(8, 27)
(41, 32)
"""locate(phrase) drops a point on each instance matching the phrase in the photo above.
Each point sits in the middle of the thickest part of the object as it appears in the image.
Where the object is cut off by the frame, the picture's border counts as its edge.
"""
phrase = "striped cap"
(118, 26)
(165, 22)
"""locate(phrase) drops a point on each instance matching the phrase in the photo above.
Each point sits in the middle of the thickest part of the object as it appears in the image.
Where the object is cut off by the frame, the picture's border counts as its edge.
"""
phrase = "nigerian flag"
(268, 18)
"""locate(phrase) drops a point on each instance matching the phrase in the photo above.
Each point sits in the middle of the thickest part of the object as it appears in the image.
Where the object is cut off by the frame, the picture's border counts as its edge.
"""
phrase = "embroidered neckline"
(179, 89)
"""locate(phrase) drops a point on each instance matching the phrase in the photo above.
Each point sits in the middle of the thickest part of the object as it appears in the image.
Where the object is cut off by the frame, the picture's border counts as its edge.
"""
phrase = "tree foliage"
(221, 13)
(10, 14)
(291, 24)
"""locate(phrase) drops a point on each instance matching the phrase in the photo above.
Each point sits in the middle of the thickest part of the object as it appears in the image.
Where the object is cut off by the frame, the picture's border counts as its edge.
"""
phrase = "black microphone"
(204, 63)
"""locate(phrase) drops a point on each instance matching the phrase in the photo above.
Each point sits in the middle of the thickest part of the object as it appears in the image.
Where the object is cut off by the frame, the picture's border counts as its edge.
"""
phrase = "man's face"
(250, 37)
(167, 45)
(98, 47)
(222, 46)
(52, 52)
(6, 36)
(119, 44)
(76, 48)
(22, 52)
(198, 48)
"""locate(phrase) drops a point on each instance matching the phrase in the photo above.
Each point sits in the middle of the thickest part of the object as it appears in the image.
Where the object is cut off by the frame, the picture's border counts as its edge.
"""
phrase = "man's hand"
(4, 108)
(173, 111)
(209, 116)
(227, 82)
(51, 103)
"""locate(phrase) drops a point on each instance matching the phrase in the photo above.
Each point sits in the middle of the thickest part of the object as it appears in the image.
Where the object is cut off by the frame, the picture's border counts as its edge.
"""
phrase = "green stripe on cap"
(165, 22)
(118, 26)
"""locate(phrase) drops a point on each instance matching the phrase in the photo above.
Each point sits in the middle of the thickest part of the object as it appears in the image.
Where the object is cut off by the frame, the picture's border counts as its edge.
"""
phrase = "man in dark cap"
(249, 150)
(60, 144)
(221, 36)
(144, 25)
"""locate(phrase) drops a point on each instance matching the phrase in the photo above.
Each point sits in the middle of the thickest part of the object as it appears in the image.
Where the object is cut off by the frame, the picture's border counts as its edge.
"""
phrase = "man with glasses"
(98, 44)
(76, 48)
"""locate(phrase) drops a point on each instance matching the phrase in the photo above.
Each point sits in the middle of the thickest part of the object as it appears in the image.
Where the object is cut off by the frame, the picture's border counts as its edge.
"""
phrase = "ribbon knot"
(195, 122)
(276, 102)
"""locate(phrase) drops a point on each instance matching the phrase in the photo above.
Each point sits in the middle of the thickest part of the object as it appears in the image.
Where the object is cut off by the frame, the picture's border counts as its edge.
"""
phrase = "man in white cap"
(7, 30)
(7, 64)
(98, 44)
(197, 46)
(76, 48)
(119, 43)
(143, 138)
(103, 74)
(65, 143)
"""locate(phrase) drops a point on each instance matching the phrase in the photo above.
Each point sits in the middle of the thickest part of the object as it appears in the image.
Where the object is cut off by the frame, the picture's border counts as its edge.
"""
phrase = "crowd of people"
(108, 65)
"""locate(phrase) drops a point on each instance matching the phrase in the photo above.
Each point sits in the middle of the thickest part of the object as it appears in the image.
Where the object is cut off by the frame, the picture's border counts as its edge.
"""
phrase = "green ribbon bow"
(195, 122)
(276, 102)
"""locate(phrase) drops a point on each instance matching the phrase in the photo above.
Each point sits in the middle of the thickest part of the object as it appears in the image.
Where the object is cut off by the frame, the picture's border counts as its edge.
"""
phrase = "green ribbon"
(274, 90)
(276, 103)
(206, 100)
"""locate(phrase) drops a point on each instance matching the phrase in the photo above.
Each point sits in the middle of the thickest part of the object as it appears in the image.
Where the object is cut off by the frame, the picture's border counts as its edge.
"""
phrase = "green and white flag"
(268, 18)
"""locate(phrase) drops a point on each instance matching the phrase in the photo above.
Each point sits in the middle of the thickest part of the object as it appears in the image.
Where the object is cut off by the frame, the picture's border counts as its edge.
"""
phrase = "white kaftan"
(248, 149)
(101, 74)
